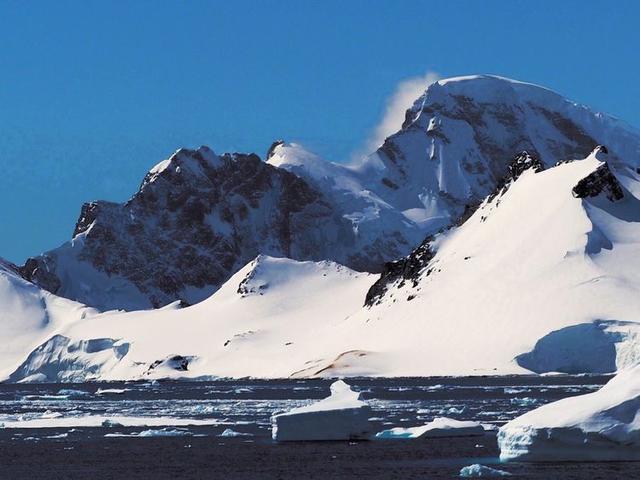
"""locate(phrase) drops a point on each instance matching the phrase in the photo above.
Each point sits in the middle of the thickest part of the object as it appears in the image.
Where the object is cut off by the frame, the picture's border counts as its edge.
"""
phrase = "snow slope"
(532, 260)
(28, 316)
(600, 426)
(272, 317)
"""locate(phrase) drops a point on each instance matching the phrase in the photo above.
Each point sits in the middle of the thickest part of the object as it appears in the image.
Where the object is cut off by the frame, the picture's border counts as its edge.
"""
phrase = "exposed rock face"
(520, 164)
(178, 363)
(601, 181)
(401, 271)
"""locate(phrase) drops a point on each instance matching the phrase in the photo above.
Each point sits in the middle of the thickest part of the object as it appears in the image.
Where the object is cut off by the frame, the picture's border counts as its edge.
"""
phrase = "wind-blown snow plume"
(405, 94)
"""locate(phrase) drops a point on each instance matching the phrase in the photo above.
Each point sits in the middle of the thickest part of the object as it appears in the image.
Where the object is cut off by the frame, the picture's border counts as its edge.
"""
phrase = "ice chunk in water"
(341, 416)
(599, 426)
(477, 470)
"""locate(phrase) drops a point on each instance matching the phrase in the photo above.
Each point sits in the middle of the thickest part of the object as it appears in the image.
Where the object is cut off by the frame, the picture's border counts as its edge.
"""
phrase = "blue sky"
(92, 94)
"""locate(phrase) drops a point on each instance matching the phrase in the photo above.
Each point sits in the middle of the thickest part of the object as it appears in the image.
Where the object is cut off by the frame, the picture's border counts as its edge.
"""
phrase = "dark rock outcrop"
(178, 363)
(600, 181)
(403, 270)
(521, 162)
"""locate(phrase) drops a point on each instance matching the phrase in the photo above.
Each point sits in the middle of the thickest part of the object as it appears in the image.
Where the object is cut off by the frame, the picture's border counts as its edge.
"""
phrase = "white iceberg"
(439, 427)
(477, 470)
(599, 426)
(341, 416)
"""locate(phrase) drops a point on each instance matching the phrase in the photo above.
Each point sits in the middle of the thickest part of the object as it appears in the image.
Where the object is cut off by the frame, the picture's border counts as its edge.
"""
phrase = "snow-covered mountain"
(520, 255)
(455, 145)
(196, 220)
(543, 276)
(199, 217)
(530, 282)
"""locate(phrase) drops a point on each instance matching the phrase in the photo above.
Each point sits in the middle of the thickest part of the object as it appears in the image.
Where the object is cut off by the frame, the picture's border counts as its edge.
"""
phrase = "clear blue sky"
(92, 94)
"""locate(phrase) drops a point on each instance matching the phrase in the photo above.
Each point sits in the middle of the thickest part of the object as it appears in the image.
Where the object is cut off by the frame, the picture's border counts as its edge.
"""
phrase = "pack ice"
(341, 416)
(439, 427)
(600, 426)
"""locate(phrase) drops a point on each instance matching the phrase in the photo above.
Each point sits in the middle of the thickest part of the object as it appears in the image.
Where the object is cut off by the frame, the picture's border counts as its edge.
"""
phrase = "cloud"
(405, 94)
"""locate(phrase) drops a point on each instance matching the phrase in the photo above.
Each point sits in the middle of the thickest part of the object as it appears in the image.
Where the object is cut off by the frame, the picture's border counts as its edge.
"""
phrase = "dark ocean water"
(176, 429)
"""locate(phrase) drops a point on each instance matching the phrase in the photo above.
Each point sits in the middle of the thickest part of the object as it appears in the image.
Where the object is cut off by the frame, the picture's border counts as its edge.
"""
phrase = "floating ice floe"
(341, 416)
(232, 433)
(599, 426)
(112, 391)
(103, 421)
(72, 393)
(155, 432)
(477, 470)
(439, 427)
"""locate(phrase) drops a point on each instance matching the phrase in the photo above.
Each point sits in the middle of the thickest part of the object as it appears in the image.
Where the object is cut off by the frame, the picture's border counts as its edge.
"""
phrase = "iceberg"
(341, 416)
(477, 470)
(439, 427)
(599, 426)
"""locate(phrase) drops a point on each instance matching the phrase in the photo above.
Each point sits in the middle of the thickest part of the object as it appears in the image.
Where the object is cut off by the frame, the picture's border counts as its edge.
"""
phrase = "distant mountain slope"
(199, 217)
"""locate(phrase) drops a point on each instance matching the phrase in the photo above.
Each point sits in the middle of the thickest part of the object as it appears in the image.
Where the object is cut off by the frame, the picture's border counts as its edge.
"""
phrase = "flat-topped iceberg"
(439, 427)
(600, 426)
(341, 416)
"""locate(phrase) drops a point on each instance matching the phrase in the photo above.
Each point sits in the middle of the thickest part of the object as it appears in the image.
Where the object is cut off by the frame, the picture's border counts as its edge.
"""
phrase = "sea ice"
(232, 433)
(439, 427)
(112, 391)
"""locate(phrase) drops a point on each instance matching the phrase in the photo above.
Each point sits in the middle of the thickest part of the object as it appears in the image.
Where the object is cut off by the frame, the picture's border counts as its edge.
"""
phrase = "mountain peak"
(199, 217)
